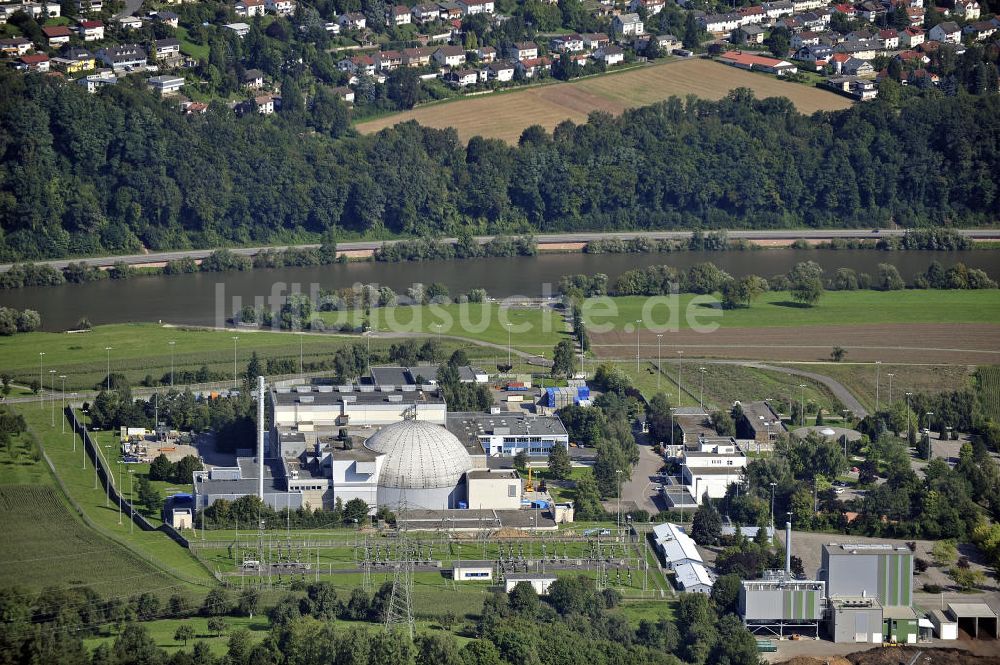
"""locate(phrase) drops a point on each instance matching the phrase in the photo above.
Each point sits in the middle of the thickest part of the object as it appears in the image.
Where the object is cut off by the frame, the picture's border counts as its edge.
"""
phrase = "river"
(192, 299)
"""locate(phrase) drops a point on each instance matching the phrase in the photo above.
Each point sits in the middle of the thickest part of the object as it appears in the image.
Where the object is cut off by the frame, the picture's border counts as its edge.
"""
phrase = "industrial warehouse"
(387, 440)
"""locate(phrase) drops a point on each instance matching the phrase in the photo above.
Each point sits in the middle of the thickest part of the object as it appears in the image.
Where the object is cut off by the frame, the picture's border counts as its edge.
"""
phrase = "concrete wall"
(541, 586)
(494, 493)
(440, 498)
(856, 625)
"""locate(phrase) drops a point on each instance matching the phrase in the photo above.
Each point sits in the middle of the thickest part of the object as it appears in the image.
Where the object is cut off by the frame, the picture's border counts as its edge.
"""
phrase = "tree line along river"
(192, 298)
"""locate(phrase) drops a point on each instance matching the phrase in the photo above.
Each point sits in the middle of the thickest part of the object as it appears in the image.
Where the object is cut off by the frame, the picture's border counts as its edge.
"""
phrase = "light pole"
(302, 374)
(131, 498)
(108, 350)
(701, 396)
(772, 508)
(878, 370)
(929, 444)
(41, 385)
(172, 344)
(63, 392)
(83, 444)
(680, 356)
(908, 395)
(73, 433)
(637, 327)
(52, 392)
(802, 404)
(235, 339)
(672, 432)
(890, 375)
(119, 492)
(659, 363)
(509, 365)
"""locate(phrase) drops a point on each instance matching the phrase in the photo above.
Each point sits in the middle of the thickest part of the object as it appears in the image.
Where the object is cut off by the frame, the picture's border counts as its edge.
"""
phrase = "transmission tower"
(399, 613)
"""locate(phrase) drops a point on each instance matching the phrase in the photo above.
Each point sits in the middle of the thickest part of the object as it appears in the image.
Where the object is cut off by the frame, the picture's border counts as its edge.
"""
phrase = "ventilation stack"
(788, 550)
(260, 437)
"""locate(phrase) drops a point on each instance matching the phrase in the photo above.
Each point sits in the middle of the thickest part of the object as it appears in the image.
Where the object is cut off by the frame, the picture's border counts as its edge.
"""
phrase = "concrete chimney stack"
(260, 437)
(788, 549)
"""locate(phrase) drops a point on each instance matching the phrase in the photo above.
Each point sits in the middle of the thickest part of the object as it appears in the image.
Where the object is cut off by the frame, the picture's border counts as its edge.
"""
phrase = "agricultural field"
(988, 383)
(46, 545)
(506, 115)
(724, 383)
(948, 327)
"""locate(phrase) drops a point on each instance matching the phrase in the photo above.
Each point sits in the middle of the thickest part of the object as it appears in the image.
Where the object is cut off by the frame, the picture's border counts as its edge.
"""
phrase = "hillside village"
(380, 58)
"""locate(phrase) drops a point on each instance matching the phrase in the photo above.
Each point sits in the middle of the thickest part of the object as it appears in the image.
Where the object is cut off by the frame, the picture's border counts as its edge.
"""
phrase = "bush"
(932, 588)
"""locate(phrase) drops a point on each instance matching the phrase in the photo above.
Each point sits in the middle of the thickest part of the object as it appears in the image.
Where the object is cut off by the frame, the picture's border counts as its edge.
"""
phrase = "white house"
(280, 7)
(241, 29)
(946, 33)
(399, 15)
(353, 21)
(425, 13)
(712, 468)
(911, 37)
(629, 25)
(450, 56)
(165, 85)
(967, 9)
(249, 8)
(473, 7)
(57, 34)
(523, 51)
(500, 71)
(462, 78)
(610, 55)
(693, 578)
(91, 31)
(720, 23)
(889, 39)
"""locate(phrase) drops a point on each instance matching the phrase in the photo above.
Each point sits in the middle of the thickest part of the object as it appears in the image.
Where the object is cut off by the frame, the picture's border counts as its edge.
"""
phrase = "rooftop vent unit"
(306, 399)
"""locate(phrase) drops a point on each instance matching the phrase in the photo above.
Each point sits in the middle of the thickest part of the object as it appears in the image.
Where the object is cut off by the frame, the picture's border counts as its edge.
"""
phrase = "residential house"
(167, 51)
(870, 10)
(652, 7)
(399, 15)
(856, 67)
(791, 23)
(861, 89)
(57, 34)
(500, 71)
(332, 27)
(718, 24)
(946, 33)
(263, 104)
(486, 54)
(523, 51)
(168, 18)
(776, 10)
(91, 31)
(123, 57)
(386, 61)
(451, 10)
(425, 13)
(566, 43)
(911, 37)
(253, 79)
(450, 56)
(250, 8)
(353, 21)
(758, 63)
(531, 68)
(910, 57)
(805, 38)
(749, 34)
(89, 6)
(920, 77)
(916, 16)
(95, 82)
(241, 29)
(814, 20)
(801, 6)
(819, 55)
(473, 7)
(981, 30)
(130, 23)
(280, 7)
(845, 9)
(15, 46)
(165, 85)
(628, 25)
(864, 49)
(610, 55)
(668, 43)
(344, 93)
(191, 108)
(34, 62)
(888, 39)
(752, 15)
(462, 78)
(595, 40)
(358, 64)
(418, 57)
(72, 65)
(967, 9)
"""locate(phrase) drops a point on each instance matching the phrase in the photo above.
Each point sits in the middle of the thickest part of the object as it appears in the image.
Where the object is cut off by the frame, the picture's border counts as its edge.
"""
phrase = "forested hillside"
(113, 172)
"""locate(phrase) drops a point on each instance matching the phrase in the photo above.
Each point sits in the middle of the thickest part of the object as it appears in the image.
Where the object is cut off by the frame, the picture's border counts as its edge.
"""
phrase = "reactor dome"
(419, 456)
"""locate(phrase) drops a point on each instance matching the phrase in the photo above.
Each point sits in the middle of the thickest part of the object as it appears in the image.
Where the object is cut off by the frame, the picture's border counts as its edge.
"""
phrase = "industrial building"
(680, 554)
(760, 422)
(473, 571)
(539, 581)
(713, 467)
(882, 571)
(309, 406)
(507, 433)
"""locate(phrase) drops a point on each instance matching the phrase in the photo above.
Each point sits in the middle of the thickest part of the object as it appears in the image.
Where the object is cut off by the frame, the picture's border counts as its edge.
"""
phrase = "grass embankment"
(140, 349)
(724, 383)
(835, 308)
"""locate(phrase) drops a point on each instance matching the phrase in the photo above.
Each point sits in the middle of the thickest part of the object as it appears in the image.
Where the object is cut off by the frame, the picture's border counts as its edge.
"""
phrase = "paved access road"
(554, 238)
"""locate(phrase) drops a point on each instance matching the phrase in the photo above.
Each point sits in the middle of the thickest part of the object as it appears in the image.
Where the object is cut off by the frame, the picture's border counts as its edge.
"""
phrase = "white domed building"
(423, 464)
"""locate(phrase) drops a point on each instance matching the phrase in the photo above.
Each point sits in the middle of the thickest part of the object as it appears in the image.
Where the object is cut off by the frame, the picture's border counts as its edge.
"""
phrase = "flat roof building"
(539, 581)
(507, 433)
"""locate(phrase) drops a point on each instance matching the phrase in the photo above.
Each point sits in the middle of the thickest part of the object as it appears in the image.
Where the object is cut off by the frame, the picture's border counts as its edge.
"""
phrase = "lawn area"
(506, 115)
(725, 383)
(162, 631)
(197, 51)
(533, 329)
(776, 309)
(165, 566)
(141, 349)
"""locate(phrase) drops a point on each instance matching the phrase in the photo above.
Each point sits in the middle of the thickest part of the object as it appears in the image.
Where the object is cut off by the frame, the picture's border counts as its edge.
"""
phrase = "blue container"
(462, 505)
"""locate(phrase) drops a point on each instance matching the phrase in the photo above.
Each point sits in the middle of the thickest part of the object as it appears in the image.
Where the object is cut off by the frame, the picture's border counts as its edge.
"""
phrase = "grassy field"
(988, 383)
(723, 383)
(506, 115)
(840, 308)
(860, 379)
(144, 348)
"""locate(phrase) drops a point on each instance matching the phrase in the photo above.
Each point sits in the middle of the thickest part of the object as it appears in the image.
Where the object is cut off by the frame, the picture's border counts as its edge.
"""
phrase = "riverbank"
(564, 242)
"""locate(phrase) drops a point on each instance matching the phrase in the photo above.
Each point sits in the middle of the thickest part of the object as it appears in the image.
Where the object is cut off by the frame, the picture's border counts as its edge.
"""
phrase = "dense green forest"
(121, 170)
